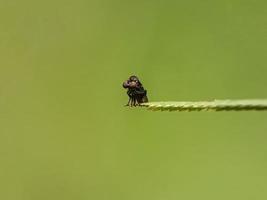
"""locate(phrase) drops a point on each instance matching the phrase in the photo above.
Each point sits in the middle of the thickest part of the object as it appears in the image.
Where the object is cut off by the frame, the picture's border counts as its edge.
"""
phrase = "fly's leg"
(129, 101)
(132, 101)
(135, 102)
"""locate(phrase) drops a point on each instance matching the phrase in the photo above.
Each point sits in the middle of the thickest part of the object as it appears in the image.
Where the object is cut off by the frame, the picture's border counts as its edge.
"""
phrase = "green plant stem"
(216, 105)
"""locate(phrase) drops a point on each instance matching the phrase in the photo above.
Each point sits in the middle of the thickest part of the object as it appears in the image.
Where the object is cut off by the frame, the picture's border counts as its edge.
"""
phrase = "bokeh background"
(64, 132)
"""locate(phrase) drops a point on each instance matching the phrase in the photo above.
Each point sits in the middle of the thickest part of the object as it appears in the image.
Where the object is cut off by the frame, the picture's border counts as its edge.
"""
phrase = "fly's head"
(132, 82)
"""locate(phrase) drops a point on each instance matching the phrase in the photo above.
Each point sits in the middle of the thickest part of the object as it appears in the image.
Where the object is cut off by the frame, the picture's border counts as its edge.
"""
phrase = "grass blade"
(216, 105)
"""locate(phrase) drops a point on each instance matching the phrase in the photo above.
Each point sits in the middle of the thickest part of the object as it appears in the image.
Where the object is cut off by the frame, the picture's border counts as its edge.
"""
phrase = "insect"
(137, 94)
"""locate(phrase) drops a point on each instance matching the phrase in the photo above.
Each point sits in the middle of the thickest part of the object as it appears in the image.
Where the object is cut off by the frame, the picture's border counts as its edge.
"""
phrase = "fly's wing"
(140, 91)
(144, 99)
(141, 95)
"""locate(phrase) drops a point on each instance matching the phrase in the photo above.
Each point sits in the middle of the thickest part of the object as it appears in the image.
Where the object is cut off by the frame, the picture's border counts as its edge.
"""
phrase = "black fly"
(136, 92)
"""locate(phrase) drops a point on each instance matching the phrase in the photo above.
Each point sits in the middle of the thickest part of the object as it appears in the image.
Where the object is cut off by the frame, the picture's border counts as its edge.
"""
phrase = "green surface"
(64, 133)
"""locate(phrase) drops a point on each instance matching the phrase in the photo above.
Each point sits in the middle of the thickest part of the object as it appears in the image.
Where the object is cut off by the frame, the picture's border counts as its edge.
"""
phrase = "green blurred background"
(64, 133)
